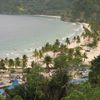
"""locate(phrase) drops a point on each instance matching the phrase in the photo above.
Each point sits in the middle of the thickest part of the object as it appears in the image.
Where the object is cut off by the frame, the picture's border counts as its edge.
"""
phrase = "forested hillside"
(82, 10)
(33, 6)
(87, 10)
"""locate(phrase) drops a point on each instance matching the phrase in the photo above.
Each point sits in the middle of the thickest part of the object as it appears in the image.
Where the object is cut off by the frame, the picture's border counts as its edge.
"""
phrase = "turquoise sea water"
(19, 34)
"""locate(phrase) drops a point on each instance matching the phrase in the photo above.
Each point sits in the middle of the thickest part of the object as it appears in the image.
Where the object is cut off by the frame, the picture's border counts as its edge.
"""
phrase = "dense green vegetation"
(57, 86)
(83, 10)
(34, 6)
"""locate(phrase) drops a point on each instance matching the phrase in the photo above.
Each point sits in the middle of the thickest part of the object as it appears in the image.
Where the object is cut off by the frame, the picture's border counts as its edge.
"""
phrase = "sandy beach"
(93, 52)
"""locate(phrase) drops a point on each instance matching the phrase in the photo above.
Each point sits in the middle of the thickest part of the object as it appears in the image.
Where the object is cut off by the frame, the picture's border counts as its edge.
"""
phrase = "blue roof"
(2, 91)
(10, 87)
(15, 82)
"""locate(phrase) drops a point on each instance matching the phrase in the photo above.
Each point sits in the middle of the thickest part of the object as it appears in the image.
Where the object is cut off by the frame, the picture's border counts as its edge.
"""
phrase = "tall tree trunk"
(47, 67)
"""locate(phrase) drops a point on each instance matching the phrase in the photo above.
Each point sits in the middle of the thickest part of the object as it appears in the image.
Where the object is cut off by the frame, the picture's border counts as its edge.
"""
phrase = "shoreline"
(35, 15)
(93, 52)
(48, 16)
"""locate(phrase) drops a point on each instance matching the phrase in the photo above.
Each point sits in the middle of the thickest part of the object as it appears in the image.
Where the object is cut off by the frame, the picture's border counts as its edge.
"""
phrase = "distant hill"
(82, 10)
(87, 10)
(34, 6)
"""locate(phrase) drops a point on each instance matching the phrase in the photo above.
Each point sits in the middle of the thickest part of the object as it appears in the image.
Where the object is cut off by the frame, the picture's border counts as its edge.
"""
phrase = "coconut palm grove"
(68, 70)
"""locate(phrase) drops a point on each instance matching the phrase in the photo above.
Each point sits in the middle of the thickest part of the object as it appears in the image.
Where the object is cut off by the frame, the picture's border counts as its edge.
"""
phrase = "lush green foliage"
(94, 75)
(34, 6)
(84, 10)
(83, 92)
(37, 87)
(17, 98)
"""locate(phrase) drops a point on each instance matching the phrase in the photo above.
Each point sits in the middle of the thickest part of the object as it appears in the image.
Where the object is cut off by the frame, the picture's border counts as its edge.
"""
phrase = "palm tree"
(74, 38)
(94, 75)
(57, 42)
(2, 65)
(77, 56)
(47, 47)
(43, 49)
(40, 54)
(84, 56)
(47, 60)
(6, 61)
(32, 64)
(70, 53)
(88, 33)
(24, 64)
(67, 41)
(55, 46)
(83, 35)
(77, 52)
(35, 54)
(17, 62)
(78, 39)
(55, 49)
(63, 48)
(24, 61)
(11, 65)
(60, 61)
(57, 85)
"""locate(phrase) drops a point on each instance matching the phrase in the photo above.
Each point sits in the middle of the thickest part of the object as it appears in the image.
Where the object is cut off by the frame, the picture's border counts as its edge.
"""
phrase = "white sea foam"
(48, 16)
(7, 54)
(12, 53)
(73, 23)
(63, 38)
(78, 29)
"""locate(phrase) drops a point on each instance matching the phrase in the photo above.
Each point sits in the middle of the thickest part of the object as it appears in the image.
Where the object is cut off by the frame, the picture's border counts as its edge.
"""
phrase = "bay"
(20, 34)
